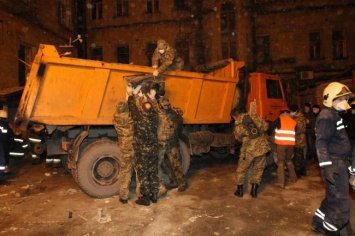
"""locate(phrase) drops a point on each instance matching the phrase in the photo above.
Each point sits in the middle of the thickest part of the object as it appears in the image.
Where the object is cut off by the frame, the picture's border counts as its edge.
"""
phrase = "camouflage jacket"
(145, 124)
(169, 123)
(300, 119)
(255, 146)
(167, 59)
(123, 124)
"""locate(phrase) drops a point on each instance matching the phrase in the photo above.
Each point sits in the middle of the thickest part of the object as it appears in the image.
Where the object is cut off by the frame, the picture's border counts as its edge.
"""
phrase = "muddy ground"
(42, 201)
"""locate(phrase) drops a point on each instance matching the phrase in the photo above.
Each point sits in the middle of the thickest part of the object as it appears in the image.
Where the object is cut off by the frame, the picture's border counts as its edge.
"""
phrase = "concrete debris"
(71, 191)
(103, 217)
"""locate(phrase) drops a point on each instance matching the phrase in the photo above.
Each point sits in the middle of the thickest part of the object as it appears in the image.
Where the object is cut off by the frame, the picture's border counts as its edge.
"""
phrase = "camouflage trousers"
(147, 170)
(298, 159)
(126, 166)
(257, 165)
(169, 161)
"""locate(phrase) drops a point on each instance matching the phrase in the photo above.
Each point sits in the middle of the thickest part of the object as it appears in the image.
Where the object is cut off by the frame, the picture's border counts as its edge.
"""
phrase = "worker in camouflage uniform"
(250, 130)
(299, 160)
(165, 58)
(145, 148)
(123, 124)
(170, 124)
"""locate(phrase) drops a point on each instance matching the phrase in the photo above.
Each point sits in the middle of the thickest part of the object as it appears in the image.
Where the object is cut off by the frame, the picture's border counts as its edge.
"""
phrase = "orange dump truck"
(74, 101)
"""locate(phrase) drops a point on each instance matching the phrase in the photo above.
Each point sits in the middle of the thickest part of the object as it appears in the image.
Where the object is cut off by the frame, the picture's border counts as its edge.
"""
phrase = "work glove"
(137, 89)
(151, 94)
(140, 94)
(155, 66)
(329, 172)
(155, 73)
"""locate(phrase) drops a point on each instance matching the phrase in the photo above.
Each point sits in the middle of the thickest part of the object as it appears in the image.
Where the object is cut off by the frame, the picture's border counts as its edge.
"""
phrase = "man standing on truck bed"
(165, 58)
(145, 147)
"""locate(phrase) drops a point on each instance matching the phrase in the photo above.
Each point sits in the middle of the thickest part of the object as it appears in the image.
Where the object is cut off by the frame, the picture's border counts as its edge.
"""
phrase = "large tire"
(185, 157)
(98, 169)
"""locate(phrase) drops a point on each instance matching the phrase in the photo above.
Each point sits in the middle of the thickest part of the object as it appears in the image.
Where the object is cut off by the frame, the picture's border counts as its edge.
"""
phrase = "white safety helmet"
(333, 91)
(3, 114)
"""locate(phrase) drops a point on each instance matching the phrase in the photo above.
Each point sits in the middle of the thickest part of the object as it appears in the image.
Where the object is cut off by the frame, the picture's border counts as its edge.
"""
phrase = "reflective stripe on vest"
(286, 135)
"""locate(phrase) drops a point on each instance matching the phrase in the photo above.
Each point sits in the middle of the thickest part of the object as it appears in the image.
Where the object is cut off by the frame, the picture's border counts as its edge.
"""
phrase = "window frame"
(263, 48)
(122, 8)
(152, 6)
(315, 45)
(97, 10)
(122, 53)
(338, 45)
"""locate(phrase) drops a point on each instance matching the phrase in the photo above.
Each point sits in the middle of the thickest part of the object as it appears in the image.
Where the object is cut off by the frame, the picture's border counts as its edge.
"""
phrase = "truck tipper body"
(74, 101)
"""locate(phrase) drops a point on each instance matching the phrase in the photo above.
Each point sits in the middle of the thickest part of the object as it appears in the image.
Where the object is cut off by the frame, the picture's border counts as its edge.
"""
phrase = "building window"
(228, 18)
(180, 5)
(65, 13)
(263, 49)
(229, 50)
(123, 54)
(182, 47)
(96, 54)
(339, 44)
(314, 46)
(150, 50)
(122, 7)
(152, 6)
(96, 11)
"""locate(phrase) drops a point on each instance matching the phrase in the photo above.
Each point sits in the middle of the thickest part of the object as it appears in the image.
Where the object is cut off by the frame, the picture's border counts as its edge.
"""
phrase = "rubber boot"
(154, 197)
(254, 190)
(239, 191)
(143, 200)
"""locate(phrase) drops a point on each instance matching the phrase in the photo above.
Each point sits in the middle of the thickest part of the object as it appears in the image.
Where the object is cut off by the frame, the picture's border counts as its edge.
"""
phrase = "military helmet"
(122, 107)
(161, 44)
(335, 90)
(3, 114)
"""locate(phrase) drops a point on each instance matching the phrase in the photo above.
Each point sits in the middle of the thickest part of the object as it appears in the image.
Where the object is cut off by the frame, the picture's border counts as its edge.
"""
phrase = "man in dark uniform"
(333, 150)
(145, 148)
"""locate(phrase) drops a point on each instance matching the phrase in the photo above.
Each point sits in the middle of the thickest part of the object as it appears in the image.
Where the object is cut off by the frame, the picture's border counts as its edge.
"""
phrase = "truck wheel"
(185, 157)
(98, 169)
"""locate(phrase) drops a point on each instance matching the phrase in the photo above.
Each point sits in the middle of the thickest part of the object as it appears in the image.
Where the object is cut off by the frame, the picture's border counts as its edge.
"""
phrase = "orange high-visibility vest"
(286, 135)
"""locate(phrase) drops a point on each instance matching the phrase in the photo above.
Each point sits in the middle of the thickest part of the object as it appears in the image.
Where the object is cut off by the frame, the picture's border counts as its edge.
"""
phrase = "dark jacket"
(332, 141)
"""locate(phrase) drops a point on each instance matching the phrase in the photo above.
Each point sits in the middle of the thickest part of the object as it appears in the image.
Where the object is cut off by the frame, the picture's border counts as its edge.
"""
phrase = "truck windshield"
(273, 89)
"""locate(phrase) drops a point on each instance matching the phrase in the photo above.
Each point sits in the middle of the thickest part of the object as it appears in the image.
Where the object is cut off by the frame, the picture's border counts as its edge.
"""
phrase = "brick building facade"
(306, 42)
